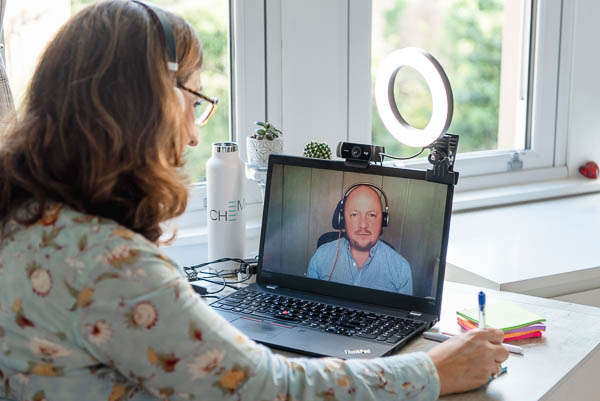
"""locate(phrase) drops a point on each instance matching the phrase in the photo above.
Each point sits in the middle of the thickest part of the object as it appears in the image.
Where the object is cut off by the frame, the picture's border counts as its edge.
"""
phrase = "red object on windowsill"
(589, 170)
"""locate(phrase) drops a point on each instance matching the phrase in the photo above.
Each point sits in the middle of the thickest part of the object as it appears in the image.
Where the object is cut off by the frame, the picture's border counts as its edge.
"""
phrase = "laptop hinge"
(271, 286)
(413, 313)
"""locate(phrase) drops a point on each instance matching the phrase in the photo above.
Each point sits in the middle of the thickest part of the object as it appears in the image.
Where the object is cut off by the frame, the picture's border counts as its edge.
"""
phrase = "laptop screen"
(380, 228)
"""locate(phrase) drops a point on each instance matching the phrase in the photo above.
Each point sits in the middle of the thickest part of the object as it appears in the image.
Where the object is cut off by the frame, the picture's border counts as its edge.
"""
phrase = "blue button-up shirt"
(385, 269)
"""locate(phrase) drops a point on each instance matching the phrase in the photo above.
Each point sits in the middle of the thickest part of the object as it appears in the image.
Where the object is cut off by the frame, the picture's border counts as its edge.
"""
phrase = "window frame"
(549, 89)
(248, 100)
(548, 135)
(259, 79)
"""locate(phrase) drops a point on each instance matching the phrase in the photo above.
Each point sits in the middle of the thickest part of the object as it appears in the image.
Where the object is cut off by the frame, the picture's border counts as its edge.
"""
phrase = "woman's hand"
(467, 361)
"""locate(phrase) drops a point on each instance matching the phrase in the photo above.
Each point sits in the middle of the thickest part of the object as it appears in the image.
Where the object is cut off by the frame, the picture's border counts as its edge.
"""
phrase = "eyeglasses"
(204, 107)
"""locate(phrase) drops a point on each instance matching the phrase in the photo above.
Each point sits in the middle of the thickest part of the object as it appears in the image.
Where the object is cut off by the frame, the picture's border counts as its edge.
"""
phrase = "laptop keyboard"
(319, 316)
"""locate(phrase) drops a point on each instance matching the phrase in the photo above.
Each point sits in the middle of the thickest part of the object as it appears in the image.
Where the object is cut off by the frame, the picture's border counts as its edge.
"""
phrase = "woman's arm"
(145, 321)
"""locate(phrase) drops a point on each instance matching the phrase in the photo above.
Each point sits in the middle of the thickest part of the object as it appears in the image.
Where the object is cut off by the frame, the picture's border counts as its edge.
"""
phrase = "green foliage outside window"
(210, 19)
(466, 37)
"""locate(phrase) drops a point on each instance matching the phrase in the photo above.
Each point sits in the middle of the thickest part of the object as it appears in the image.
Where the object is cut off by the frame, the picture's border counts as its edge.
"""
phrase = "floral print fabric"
(90, 310)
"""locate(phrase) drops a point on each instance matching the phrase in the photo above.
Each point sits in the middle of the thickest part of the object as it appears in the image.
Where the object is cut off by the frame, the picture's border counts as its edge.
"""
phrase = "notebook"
(351, 260)
(503, 315)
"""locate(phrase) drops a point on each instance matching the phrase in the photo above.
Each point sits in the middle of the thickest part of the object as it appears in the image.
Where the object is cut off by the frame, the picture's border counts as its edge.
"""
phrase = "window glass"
(26, 21)
(468, 39)
(28, 24)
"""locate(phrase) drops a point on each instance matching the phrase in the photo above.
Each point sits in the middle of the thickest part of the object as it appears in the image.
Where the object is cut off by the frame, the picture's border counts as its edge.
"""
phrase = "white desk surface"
(542, 248)
(561, 365)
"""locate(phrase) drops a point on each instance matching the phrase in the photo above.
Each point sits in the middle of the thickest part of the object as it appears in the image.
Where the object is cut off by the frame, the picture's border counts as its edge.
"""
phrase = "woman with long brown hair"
(89, 306)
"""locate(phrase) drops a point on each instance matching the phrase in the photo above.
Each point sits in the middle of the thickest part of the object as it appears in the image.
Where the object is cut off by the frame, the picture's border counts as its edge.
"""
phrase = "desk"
(546, 249)
(562, 365)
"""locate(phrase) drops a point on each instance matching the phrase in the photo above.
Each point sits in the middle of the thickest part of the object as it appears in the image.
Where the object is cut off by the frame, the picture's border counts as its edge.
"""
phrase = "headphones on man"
(167, 37)
(338, 222)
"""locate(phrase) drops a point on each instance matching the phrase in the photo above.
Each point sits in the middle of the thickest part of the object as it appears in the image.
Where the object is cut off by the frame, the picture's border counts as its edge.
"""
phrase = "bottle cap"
(225, 147)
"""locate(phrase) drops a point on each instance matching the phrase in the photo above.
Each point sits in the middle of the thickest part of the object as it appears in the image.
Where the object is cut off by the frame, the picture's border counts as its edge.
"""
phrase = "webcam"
(359, 152)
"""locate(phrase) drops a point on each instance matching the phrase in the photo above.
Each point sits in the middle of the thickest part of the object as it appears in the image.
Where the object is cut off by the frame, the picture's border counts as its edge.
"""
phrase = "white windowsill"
(490, 227)
(511, 194)
(546, 249)
(189, 234)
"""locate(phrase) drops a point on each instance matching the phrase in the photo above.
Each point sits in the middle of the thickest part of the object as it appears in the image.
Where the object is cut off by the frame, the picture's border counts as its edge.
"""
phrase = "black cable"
(240, 261)
(193, 276)
(247, 266)
(382, 155)
(192, 273)
(248, 277)
(226, 284)
(223, 282)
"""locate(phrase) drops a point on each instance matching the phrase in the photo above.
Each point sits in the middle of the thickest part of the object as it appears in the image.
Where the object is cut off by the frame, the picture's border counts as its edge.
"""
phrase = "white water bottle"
(225, 205)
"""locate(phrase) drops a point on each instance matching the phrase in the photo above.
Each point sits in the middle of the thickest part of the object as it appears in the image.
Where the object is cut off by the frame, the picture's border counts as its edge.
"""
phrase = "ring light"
(441, 96)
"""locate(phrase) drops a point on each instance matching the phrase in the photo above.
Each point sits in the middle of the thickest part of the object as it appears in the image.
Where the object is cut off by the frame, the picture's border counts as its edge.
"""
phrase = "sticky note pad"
(503, 315)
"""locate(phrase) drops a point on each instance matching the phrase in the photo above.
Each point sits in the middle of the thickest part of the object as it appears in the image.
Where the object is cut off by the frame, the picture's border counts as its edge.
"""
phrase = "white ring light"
(441, 96)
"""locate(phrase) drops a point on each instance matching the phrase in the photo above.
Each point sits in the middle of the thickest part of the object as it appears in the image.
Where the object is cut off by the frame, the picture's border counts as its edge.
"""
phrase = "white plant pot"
(258, 150)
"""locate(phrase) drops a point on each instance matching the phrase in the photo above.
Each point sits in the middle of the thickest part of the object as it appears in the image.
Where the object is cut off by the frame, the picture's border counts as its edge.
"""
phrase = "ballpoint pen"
(441, 337)
(481, 309)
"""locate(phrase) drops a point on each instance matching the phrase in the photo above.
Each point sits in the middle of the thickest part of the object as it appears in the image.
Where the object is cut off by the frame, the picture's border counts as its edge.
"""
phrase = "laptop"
(351, 260)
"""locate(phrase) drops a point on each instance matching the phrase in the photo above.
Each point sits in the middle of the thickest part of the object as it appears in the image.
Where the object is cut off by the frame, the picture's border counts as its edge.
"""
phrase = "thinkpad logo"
(357, 351)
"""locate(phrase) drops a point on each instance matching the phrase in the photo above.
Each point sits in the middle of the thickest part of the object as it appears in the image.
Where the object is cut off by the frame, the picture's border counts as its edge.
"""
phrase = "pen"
(441, 337)
(492, 377)
(481, 309)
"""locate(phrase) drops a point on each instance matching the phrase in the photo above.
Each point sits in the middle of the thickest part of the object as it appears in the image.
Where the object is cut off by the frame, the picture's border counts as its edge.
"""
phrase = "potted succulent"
(265, 140)
(317, 150)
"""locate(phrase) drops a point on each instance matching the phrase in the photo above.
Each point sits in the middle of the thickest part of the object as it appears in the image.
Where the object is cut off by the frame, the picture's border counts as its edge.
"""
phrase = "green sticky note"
(502, 315)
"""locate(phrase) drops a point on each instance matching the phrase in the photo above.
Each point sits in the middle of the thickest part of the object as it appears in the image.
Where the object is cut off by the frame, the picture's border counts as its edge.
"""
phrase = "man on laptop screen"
(360, 257)
(386, 232)
(358, 284)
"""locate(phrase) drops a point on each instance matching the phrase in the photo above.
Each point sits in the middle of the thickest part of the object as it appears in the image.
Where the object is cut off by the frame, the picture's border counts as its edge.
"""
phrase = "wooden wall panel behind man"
(325, 193)
(296, 203)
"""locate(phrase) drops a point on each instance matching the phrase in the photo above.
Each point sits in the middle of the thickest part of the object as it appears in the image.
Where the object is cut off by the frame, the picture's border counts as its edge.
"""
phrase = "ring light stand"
(443, 145)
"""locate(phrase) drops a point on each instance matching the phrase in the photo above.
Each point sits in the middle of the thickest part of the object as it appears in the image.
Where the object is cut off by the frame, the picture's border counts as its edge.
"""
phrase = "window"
(210, 19)
(307, 66)
(27, 21)
(502, 58)
(471, 39)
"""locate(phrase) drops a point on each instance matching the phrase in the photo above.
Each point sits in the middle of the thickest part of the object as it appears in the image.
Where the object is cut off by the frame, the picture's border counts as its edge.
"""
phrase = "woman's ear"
(180, 96)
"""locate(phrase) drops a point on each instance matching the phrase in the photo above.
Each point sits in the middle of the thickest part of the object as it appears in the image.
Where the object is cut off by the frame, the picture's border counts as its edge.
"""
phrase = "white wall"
(584, 109)
(313, 90)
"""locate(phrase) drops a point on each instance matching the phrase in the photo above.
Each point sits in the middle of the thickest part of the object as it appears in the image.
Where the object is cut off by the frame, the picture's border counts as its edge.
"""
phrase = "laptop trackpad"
(259, 331)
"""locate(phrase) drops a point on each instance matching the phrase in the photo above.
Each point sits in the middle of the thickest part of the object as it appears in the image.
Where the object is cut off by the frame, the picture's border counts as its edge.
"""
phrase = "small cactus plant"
(265, 131)
(317, 150)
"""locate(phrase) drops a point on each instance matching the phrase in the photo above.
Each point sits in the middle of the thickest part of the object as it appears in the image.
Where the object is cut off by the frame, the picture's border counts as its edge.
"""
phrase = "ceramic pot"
(258, 150)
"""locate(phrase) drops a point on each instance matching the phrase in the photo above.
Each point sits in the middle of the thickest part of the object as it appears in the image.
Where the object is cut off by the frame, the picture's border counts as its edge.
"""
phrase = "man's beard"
(360, 247)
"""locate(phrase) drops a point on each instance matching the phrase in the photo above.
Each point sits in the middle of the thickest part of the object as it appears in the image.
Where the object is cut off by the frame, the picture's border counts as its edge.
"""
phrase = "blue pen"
(481, 309)
(500, 373)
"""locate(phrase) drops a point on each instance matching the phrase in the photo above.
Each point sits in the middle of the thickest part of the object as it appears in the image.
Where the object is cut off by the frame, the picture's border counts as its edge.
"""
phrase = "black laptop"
(351, 261)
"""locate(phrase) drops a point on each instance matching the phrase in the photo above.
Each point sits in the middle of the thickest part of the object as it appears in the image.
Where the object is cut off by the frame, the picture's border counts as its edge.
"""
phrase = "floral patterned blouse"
(90, 310)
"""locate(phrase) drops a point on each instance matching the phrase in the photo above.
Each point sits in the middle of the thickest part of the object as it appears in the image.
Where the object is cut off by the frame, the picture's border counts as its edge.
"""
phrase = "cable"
(243, 262)
(382, 155)
(223, 283)
(336, 255)
(247, 266)
(192, 274)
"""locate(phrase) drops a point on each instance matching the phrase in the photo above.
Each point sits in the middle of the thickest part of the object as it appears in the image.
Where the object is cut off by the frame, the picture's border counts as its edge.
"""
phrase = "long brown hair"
(99, 125)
